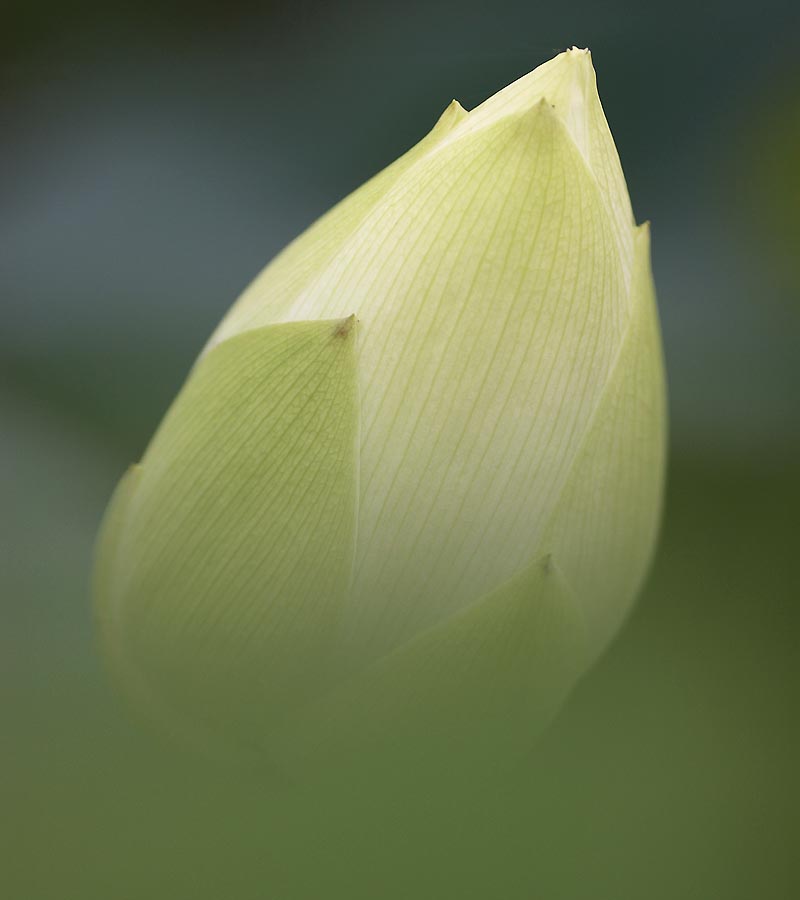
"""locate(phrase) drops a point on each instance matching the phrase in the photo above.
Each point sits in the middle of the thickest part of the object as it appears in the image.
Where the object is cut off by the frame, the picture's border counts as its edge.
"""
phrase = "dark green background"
(152, 158)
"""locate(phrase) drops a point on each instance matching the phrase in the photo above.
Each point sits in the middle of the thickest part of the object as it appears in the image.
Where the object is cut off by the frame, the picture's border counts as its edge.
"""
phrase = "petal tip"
(345, 327)
(453, 114)
(642, 234)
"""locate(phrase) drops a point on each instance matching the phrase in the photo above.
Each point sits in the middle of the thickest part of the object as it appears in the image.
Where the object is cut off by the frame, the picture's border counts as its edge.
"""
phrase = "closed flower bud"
(412, 484)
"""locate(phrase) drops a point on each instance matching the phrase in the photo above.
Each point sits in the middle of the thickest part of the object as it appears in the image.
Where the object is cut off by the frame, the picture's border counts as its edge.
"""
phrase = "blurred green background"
(153, 157)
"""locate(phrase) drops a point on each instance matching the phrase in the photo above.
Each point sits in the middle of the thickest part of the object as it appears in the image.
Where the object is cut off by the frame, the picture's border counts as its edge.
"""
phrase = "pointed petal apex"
(345, 327)
(453, 115)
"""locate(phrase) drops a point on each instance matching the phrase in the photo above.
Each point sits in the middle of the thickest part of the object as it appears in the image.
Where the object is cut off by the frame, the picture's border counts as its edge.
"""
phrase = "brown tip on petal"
(344, 328)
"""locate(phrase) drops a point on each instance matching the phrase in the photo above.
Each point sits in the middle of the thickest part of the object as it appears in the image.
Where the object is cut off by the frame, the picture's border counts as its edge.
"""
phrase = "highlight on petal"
(226, 555)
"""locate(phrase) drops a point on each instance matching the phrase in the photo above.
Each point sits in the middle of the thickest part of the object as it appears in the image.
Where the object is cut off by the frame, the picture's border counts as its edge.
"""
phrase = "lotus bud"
(412, 485)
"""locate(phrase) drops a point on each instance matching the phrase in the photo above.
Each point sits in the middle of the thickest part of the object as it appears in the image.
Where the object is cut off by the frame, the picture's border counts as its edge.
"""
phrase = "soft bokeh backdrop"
(153, 158)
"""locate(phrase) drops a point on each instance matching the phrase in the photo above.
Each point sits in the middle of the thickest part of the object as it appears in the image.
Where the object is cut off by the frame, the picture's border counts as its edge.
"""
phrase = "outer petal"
(226, 555)
(603, 529)
(470, 692)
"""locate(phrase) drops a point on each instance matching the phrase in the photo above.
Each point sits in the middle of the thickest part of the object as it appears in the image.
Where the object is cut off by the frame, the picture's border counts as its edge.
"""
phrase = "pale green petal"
(267, 299)
(470, 692)
(568, 82)
(226, 555)
(493, 301)
(604, 528)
